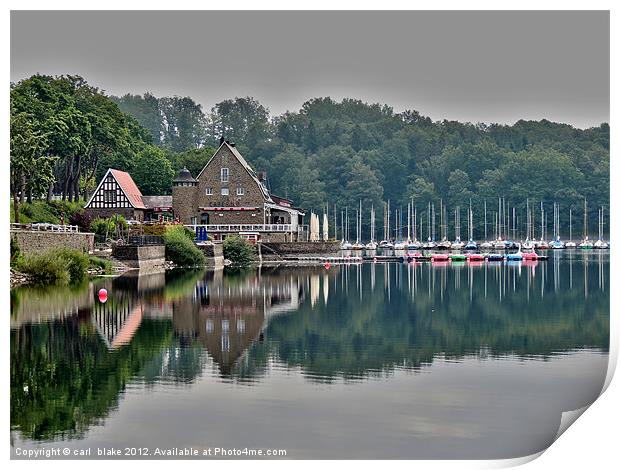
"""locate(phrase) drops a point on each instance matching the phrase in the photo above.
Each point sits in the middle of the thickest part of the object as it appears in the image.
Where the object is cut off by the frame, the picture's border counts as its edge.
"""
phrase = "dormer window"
(224, 175)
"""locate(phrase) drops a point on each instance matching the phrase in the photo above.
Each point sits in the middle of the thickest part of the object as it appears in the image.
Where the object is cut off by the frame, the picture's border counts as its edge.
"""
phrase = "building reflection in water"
(340, 322)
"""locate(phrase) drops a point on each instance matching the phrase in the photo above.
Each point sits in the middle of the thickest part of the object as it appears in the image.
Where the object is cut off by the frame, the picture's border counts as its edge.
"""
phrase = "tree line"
(329, 155)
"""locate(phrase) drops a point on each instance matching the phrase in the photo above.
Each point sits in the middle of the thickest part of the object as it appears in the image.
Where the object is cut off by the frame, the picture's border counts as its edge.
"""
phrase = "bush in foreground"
(46, 268)
(75, 261)
(180, 248)
(16, 253)
(61, 266)
(238, 251)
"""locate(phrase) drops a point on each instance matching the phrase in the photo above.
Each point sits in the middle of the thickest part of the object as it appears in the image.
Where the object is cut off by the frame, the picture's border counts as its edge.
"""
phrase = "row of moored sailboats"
(500, 242)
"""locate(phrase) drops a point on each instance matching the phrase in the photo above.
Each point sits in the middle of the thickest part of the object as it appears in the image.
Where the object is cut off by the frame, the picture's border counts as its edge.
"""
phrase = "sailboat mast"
(585, 218)
(429, 220)
(415, 220)
(485, 221)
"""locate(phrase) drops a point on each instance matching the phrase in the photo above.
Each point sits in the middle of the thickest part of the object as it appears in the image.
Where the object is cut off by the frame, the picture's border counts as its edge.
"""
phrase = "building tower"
(184, 188)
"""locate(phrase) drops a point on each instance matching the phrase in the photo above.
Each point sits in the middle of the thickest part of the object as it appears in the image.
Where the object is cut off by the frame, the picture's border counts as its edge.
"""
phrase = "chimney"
(222, 139)
(262, 176)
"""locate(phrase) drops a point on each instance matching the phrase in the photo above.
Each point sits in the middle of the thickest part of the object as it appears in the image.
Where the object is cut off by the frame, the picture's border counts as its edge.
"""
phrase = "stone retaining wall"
(214, 254)
(39, 241)
(145, 256)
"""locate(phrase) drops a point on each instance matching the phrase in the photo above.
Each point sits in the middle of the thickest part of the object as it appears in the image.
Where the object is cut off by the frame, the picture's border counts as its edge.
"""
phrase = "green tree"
(153, 172)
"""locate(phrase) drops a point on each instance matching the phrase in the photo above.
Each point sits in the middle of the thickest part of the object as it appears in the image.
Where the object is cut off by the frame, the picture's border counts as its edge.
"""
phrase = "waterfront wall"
(35, 241)
(145, 256)
(214, 254)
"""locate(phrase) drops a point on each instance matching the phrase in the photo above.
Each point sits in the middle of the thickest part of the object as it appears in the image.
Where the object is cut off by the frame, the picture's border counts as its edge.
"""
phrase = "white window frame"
(225, 192)
(224, 175)
(209, 191)
(240, 191)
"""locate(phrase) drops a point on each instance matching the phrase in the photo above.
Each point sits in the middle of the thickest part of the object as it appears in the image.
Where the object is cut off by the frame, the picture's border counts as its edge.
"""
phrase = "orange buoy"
(103, 295)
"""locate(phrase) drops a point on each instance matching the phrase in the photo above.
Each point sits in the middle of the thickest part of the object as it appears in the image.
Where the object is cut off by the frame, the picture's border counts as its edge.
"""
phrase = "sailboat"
(471, 245)
(399, 244)
(430, 244)
(372, 244)
(570, 243)
(600, 244)
(556, 244)
(358, 225)
(457, 244)
(586, 244)
(413, 244)
(344, 244)
(386, 243)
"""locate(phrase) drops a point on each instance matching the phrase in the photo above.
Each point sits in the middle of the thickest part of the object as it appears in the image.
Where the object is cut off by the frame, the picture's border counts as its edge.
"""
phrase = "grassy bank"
(49, 212)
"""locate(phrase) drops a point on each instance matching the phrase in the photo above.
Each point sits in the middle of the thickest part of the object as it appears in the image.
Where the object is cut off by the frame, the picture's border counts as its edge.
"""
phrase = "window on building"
(209, 191)
(224, 175)
(209, 326)
(109, 196)
(240, 191)
(224, 191)
(192, 220)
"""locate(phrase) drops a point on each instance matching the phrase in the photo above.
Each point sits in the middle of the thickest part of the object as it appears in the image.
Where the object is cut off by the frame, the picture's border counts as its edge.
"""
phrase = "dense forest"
(66, 133)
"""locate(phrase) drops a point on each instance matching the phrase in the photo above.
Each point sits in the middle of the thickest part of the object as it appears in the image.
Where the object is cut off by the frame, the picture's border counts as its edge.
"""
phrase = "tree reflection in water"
(71, 356)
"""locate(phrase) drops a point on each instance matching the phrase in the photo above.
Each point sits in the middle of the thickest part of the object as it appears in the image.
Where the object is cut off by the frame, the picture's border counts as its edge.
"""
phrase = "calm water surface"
(360, 361)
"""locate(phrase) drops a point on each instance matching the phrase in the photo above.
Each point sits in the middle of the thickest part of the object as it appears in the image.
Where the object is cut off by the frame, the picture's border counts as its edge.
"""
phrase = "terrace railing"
(236, 228)
(45, 227)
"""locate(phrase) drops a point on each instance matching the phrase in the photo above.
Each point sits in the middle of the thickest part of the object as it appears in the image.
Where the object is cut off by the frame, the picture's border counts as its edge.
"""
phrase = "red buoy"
(327, 265)
(103, 295)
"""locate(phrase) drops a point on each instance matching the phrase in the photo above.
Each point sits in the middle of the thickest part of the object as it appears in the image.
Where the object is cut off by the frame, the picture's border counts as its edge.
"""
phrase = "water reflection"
(72, 356)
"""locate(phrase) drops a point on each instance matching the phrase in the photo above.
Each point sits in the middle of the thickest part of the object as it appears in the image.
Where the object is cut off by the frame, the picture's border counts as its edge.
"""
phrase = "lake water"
(358, 361)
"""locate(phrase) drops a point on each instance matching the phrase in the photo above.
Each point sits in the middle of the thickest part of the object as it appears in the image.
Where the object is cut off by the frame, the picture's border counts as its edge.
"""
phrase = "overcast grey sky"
(468, 66)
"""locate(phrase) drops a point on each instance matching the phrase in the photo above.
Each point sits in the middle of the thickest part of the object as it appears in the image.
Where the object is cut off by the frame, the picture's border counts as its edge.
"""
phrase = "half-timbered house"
(117, 194)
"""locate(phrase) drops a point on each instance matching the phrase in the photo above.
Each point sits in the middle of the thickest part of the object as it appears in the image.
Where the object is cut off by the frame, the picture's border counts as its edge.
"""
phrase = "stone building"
(229, 197)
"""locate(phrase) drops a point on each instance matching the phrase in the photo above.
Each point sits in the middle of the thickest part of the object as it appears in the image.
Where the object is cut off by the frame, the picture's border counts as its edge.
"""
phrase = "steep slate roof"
(245, 164)
(128, 186)
(151, 202)
(184, 176)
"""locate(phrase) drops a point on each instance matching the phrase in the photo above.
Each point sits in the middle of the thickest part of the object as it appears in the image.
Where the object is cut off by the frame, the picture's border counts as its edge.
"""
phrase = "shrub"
(60, 266)
(46, 268)
(16, 253)
(102, 227)
(82, 219)
(238, 251)
(157, 230)
(76, 263)
(95, 262)
(180, 249)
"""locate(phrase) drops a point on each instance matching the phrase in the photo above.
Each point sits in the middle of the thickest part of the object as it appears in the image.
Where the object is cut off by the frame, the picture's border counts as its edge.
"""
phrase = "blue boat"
(557, 244)
(518, 256)
(471, 245)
